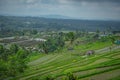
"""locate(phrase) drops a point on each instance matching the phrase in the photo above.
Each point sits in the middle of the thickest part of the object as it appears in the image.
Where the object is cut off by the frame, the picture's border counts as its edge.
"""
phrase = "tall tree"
(1, 49)
(14, 48)
(71, 36)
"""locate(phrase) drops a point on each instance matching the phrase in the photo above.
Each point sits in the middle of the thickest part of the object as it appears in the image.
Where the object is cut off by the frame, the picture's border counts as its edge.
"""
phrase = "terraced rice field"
(105, 66)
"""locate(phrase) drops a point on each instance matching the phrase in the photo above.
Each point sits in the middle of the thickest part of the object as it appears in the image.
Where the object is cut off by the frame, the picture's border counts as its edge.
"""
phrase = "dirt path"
(107, 49)
(20, 41)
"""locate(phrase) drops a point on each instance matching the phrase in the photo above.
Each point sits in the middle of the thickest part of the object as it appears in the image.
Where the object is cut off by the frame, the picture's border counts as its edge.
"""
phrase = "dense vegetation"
(12, 61)
(72, 65)
(58, 51)
(11, 25)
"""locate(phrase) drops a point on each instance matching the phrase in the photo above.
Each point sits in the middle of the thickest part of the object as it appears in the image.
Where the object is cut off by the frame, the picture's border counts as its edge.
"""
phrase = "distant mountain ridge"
(55, 23)
(55, 16)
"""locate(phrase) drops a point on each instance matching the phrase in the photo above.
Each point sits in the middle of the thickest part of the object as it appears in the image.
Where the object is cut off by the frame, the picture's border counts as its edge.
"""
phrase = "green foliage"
(34, 32)
(52, 44)
(1, 49)
(22, 53)
(115, 78)
(112, 39)
(49, 78)
(14, 48)
(70, 76)
(12, 61)
(96, 36)
(71, 36)
(103, 39)
(4, 53)
(3, 69)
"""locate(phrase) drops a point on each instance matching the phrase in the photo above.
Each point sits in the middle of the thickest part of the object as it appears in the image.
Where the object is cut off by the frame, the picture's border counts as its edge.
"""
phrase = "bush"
(70, 76)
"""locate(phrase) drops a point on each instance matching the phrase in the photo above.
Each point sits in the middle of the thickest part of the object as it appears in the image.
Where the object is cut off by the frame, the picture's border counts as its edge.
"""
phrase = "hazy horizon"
(75, 9)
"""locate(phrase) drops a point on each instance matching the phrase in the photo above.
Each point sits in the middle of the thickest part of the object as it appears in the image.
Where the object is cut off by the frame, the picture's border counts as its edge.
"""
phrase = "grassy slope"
(58, 65)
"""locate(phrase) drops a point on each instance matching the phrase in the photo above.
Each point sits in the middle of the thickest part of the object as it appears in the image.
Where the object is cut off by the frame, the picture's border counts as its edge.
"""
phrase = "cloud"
(96, 0)
(27, 2)
(87, 9)
(31, 1)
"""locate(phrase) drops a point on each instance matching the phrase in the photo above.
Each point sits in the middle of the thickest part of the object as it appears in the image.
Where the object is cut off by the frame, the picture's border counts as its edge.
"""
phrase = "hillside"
(103, 65)
(59, 39)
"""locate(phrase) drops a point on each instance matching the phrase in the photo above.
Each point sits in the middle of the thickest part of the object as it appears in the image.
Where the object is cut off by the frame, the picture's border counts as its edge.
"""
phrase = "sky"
(76, 9)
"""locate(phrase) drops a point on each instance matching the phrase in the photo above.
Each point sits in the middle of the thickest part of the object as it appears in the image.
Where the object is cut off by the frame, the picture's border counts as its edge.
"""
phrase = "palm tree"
(71, 36)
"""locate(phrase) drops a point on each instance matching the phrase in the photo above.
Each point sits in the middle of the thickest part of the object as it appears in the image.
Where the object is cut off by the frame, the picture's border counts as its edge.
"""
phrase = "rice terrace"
(59, 40)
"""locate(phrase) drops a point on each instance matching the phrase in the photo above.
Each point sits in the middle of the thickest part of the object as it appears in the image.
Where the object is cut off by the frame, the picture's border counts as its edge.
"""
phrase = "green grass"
(115, 78)
(93, 45)
(34, 56)
(59, 64)
(65, 63)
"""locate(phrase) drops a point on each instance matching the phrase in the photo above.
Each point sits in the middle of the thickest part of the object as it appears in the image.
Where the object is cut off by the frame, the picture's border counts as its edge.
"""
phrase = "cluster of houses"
(26, 41)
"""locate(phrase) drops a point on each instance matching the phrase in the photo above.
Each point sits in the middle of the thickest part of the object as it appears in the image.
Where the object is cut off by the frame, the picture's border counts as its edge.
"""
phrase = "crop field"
(104, 66)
